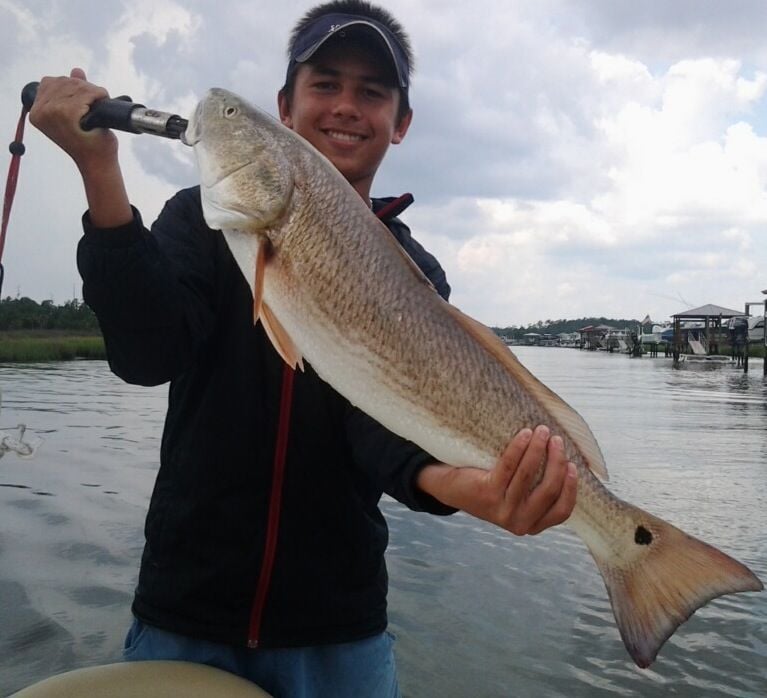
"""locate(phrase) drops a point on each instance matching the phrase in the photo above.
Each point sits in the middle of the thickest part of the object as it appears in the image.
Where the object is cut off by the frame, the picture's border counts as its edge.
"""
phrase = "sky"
(567, 159)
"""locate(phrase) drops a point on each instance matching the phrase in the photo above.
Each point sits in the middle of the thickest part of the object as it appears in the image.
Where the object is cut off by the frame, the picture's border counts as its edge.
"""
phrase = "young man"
(264, 542)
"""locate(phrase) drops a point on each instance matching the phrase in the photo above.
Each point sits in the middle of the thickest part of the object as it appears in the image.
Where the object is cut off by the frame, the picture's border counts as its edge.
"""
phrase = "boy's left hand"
(503, 495)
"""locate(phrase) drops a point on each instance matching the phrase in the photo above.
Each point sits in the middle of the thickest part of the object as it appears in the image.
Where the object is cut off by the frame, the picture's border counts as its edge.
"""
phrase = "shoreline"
(31, 346)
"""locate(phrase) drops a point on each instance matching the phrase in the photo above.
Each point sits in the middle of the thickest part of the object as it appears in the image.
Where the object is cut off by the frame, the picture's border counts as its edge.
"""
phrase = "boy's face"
(343, 104)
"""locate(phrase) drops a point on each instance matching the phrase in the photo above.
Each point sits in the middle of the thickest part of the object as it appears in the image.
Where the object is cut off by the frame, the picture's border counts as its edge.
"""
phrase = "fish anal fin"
(661, 578)
(280, 338)
(568, 421)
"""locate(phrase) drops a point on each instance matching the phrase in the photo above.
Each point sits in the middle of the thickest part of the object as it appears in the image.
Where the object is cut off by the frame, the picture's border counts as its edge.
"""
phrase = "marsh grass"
(31, 347)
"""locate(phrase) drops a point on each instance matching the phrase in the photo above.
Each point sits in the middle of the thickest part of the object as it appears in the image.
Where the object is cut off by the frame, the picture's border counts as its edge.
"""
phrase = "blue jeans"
(362, 669)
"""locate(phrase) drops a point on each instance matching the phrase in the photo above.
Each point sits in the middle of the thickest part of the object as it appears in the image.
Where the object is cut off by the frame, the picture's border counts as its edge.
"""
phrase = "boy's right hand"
(58, 107)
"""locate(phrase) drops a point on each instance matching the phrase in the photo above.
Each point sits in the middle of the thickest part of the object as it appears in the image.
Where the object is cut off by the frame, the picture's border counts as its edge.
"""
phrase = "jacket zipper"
(275, 504)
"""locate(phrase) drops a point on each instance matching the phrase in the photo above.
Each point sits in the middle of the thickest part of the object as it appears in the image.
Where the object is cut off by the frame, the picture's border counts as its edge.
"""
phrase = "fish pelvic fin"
(258, 280)
(565, 419)
(280, 338)
(251, 252)
(663, 578)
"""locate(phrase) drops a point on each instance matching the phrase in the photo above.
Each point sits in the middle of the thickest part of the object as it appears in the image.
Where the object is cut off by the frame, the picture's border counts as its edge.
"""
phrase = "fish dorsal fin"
(566, 418)
(408, 259)
(280, 338)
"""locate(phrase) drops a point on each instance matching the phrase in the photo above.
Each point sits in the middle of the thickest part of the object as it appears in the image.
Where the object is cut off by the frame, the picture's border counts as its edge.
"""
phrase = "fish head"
(246, 181)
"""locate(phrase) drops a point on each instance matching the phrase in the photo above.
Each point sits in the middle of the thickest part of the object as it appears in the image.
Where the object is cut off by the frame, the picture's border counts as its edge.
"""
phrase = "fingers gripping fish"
(331, 285)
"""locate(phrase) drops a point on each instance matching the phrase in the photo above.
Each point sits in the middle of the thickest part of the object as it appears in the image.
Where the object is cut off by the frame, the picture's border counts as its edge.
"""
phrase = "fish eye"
(230, 111)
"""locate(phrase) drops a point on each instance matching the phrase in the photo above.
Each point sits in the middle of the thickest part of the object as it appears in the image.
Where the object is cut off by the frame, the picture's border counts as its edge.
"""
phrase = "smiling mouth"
(342, 136)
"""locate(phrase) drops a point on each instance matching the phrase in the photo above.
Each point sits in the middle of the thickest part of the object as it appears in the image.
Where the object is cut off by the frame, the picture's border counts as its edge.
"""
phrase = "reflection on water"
(477, 612)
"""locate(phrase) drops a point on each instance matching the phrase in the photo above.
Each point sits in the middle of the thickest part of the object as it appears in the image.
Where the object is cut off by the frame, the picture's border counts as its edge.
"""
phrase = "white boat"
(710, 359)
(656, 336)
(739, 325)
(756, 329)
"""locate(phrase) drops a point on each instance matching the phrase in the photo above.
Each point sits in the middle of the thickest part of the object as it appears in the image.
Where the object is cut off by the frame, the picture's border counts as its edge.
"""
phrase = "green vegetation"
(30, 348)
(26, 314)
(31, 331)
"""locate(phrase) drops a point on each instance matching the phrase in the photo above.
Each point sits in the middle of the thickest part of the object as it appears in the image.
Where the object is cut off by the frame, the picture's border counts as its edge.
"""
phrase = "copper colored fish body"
(330, 284)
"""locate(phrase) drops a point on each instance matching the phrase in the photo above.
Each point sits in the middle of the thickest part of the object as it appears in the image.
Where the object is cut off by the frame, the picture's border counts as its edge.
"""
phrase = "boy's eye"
(374, 93)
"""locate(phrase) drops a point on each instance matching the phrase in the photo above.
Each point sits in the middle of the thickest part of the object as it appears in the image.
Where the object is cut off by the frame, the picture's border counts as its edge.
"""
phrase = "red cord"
(17, 150)
(280, 457)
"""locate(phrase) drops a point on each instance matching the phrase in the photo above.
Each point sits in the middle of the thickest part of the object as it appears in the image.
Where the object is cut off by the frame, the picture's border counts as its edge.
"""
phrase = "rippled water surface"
(476, 612)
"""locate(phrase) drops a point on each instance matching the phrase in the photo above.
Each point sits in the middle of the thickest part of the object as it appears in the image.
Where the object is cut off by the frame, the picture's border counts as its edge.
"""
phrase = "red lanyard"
(17, 150)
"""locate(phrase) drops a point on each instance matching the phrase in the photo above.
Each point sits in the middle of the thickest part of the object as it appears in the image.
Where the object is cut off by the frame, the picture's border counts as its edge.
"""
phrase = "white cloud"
(566, 161)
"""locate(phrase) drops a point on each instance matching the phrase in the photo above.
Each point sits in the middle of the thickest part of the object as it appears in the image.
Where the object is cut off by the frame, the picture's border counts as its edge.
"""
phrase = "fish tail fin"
(662, 580)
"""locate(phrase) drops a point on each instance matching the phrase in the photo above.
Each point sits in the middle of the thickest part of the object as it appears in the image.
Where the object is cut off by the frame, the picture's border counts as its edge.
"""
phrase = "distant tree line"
(26, 314)
(557, 326)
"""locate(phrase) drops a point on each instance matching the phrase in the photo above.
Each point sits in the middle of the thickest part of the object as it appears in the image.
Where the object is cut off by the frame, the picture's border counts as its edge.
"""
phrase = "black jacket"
(174, 306)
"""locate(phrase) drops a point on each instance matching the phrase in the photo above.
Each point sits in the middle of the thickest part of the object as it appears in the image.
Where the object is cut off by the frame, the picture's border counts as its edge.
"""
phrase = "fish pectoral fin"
(280, 338)
(565, 418)
(250, 252)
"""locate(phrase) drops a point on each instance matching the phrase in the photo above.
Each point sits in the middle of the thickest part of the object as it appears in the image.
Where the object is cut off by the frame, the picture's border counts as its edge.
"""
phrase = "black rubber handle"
(28, 94)
(111, 113)
(106, 113)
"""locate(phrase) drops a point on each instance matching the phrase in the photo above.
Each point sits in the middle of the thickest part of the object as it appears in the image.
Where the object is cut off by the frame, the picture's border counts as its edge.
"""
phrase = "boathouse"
(594, 336)
(699, 330)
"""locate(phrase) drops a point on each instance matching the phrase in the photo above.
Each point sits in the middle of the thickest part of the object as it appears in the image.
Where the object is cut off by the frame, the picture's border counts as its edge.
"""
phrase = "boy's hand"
(507, 495)
(59, 105)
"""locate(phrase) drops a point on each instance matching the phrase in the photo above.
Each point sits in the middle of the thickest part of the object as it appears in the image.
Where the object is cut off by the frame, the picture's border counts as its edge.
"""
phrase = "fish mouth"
(190, 139)
(191, 135)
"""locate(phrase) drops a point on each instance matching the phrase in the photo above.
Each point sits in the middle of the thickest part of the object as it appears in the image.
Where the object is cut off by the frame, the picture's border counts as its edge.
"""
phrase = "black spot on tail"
(642, 536)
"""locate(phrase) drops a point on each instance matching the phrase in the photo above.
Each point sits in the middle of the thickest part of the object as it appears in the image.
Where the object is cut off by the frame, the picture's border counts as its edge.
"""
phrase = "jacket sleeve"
(151, 292)
(391, 462)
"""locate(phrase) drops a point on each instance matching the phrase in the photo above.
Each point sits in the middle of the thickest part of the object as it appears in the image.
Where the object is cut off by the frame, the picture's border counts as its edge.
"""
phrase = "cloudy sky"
(568, 159)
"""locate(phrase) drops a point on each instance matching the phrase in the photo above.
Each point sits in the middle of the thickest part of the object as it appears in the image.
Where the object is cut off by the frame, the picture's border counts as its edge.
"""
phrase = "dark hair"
(352, 7)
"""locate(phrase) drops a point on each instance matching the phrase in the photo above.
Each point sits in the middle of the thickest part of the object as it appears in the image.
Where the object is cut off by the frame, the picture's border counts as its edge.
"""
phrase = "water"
(476, 612)
(71, 518)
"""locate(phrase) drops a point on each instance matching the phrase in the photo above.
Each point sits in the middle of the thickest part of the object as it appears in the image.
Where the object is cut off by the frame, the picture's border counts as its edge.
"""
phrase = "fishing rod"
(122, 114)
